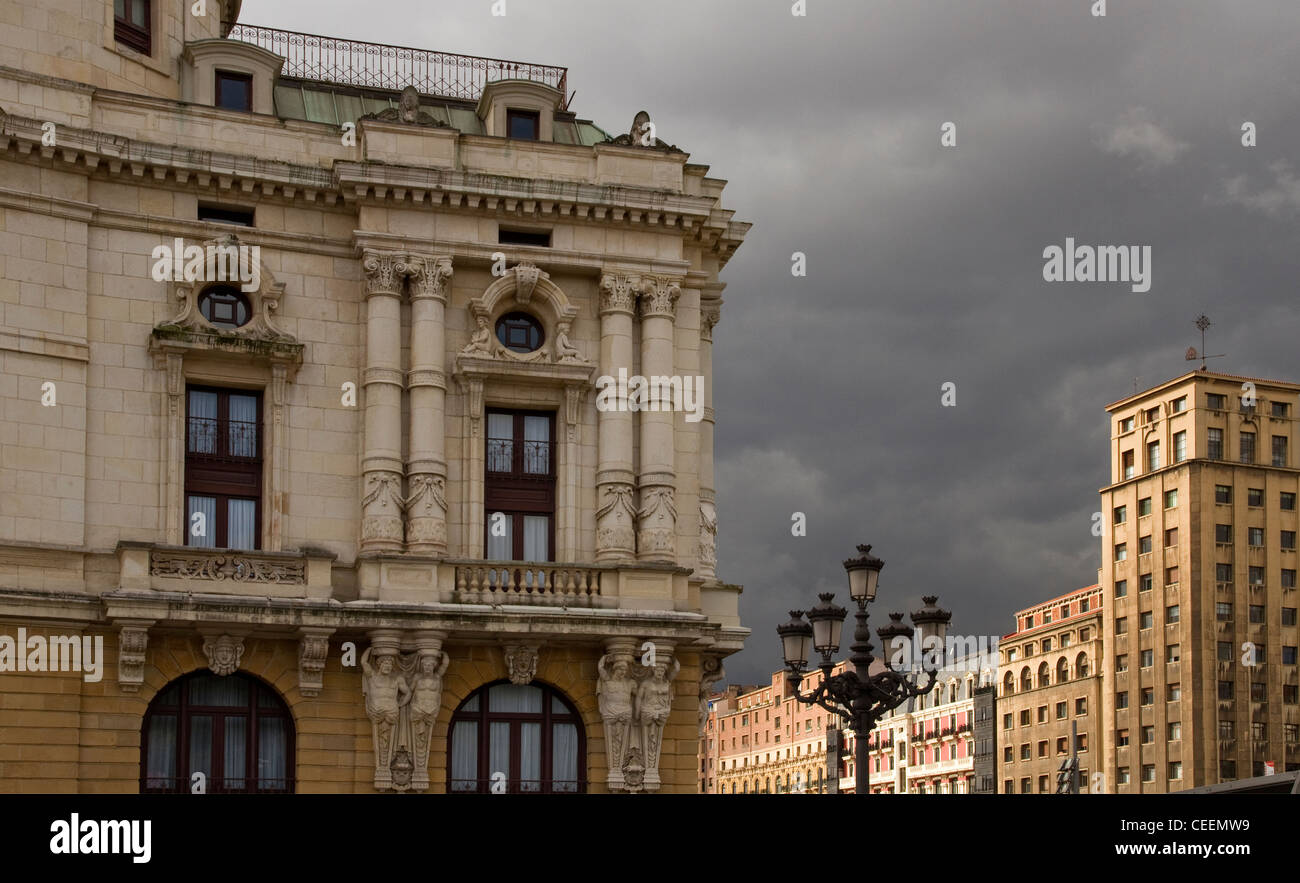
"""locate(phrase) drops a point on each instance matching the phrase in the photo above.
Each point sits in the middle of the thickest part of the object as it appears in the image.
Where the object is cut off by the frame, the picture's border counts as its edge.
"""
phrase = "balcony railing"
(515, 583)
(378, 66)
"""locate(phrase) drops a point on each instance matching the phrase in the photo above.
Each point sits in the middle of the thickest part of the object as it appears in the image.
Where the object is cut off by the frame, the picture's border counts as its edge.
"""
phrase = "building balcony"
(513, 582)
(192, 569)
(378, 66)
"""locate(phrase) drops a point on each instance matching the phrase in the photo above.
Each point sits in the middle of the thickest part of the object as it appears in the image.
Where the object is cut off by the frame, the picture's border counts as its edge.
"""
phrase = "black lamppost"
(858, 697)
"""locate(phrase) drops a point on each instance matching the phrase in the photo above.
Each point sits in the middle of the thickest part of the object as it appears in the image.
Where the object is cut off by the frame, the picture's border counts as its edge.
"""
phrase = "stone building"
(1201, 683)
(1050, 691)
(760, 740)
(308, 481)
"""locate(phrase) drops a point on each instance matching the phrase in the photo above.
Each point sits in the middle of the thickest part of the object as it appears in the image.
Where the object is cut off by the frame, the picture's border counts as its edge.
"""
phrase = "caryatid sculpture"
(615, 689)
(654, 703)
(386, 692)
(426, 701)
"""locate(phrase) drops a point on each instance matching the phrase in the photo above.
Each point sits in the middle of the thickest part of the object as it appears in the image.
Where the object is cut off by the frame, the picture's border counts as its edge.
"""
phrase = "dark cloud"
(925, 263)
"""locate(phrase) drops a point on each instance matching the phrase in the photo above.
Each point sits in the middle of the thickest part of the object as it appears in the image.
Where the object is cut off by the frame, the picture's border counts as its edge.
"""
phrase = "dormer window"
(225, 307)
(132, 25)
(523, 124)
(234, 91)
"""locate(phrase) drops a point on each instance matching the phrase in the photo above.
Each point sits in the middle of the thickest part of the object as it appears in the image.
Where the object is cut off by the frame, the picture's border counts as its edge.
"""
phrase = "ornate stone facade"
(370, 349)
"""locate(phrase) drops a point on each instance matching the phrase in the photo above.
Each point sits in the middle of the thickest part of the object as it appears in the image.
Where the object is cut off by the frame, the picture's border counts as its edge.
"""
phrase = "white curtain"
(537, 537)
(234, 751)
(500, 548)
(499, 748)
(530, 757)
(515, 699)
(464, 756)
(272, 752)
(500, 443)
(160, 765)
(228, 692)
(537, 457)
(564, 757)
(243, 426)
(203, 422)
(203, 532)
(241, 524)
(200, 747)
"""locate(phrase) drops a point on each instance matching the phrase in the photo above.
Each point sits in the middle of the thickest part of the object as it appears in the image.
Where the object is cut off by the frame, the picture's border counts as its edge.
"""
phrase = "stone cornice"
(696, 218)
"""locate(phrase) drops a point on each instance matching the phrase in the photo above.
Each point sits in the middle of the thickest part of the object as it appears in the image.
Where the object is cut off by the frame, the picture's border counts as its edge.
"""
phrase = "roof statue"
(407, 111)
(642, 134)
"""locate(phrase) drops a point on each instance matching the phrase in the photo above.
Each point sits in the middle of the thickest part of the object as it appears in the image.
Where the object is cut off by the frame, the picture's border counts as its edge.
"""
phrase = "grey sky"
(925, 263)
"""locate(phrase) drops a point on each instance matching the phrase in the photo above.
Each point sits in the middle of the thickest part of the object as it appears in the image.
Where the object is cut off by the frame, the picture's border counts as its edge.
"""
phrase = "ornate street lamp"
(857, 697)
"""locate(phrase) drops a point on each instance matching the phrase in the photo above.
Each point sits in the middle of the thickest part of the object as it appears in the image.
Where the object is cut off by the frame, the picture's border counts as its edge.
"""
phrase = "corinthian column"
(657, 516)
(426, 468)
(381, 464)
(615, 512)
(710, 312)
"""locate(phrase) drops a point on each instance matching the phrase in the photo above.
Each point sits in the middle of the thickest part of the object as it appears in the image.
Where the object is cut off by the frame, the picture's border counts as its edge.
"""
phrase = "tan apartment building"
(1199, 566)
(303, 441)
(1050, 689)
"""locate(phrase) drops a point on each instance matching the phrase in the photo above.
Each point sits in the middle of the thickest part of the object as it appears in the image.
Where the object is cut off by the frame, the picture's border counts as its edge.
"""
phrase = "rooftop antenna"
(1202, 322)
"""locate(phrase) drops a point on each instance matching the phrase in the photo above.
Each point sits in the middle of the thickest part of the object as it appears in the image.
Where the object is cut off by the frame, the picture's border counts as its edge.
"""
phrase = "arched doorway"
(532, 734)
(236, 730)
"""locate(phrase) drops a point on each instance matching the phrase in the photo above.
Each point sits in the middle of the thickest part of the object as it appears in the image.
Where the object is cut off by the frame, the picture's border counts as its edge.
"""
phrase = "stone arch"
(527, 288)
(1044, 674)
(222, 257)
(1062, 670)
(1081, 665)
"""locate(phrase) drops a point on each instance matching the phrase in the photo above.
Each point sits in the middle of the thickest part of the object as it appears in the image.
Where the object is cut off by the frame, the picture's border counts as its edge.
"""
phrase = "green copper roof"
(320, 103)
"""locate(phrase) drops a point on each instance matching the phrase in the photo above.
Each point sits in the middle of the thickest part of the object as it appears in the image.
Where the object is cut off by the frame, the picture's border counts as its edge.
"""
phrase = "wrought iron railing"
(213, 439)
(520, 459)
(378, 66)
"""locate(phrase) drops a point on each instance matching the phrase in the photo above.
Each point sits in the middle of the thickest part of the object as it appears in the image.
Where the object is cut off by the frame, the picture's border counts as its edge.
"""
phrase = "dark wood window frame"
(242, 79)
(220, 474)
(253, 713)
(130, 34)
(547, 718)
(531, 116)
(519, 492)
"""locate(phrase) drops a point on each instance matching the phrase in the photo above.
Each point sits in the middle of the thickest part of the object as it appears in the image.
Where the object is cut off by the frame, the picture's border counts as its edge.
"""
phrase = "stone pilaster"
(615, 510)
(657, 514)
(710, 312)
(426, 467)
(382, 501)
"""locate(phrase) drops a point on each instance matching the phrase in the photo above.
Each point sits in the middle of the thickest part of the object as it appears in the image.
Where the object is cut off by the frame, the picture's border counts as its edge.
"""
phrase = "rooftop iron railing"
(378, 66)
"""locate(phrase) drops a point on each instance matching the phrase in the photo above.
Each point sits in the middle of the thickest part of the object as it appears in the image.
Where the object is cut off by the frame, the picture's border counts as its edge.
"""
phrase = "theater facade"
(304, 485)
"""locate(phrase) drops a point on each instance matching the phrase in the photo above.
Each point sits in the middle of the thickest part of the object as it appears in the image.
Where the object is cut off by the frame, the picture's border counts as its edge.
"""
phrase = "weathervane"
(1202, 322)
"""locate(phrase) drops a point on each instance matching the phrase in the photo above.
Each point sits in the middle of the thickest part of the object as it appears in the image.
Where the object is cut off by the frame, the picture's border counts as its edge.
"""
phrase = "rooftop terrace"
(378, 66)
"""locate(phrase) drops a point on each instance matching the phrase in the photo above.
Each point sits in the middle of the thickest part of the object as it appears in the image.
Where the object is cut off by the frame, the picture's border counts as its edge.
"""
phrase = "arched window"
(1009, 684)
(1026, 680)
(1081, 665)
(235, 730)
(744, 788)
(1044, 676)
(767, 785)
(1062, 671)
(520, 332)
(224, 306)
(530, 733)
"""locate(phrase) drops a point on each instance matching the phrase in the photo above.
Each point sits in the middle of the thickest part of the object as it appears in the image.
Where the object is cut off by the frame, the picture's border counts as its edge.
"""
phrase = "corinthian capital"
(383, 271)
(617, 293)
(659, 296)
(429, 276)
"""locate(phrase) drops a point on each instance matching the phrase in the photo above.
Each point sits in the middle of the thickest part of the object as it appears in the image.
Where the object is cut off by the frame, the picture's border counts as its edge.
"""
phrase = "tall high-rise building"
(329, 454)
(1199, 567)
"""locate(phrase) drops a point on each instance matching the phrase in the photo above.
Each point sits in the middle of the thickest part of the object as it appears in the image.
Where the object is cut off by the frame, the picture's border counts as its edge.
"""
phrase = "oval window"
(224, 307)
(520, 332)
